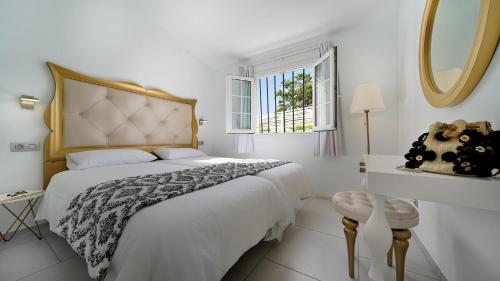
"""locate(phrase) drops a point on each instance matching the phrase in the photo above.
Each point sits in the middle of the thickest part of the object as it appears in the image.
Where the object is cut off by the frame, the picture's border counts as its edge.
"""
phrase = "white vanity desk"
(383, 179)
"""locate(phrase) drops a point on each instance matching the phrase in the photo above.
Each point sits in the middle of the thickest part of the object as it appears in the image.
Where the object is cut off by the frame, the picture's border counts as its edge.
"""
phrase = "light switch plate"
(24, 146)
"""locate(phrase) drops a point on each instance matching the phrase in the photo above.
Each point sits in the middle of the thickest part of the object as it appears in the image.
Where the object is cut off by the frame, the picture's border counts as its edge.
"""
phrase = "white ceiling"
(221, 32)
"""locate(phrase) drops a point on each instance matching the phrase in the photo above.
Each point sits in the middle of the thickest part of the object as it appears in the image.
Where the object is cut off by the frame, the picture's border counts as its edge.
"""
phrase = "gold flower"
(419, 157)
(464, 138)
(465, 164)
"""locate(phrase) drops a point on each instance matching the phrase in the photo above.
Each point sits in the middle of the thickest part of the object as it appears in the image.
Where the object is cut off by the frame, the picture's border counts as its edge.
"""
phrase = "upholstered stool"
(357, 206)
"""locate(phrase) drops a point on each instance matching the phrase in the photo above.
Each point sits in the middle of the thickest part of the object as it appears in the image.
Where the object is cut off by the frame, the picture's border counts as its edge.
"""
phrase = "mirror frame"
(480, 56)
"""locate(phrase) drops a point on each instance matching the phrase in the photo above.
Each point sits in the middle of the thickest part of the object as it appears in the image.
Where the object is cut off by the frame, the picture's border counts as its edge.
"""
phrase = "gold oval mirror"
(457, 42)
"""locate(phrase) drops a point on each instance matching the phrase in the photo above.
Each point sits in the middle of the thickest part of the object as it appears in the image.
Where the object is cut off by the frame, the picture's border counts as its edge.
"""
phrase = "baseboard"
(427, 255)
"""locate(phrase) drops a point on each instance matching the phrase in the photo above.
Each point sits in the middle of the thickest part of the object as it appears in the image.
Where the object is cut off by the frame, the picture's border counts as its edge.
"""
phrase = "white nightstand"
(31, 197)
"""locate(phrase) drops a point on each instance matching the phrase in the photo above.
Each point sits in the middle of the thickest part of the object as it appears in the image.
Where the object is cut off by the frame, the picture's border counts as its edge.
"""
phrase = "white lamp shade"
(367, 96)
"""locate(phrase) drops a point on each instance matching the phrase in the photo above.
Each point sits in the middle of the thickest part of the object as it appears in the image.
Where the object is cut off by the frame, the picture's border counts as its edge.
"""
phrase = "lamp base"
(367, 121)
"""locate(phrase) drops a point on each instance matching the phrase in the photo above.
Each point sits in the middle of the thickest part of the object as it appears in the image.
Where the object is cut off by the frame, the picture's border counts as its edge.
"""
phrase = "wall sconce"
(202, 121)
(28, 102)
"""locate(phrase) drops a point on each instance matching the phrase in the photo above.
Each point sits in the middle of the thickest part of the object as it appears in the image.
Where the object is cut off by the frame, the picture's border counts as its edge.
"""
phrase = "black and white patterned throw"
(97, 217)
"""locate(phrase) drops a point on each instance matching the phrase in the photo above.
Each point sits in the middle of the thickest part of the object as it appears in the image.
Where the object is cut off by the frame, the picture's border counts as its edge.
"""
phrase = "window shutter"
(324, 101)
(240, 104)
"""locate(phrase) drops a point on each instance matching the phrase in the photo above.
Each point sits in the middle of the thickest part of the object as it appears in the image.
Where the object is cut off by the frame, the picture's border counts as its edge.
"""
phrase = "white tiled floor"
(313, 249)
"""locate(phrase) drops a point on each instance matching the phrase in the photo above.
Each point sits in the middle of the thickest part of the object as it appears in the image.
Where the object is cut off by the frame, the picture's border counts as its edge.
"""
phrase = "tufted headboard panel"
(89, 113)
(99, 116)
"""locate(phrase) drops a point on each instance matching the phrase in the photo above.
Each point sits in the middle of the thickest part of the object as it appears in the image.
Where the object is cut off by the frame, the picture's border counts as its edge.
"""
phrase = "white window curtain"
(243, 143)
(327, 143)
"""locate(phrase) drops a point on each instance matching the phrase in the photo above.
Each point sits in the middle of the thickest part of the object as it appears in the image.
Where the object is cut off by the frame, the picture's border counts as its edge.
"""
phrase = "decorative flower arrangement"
(478, 153)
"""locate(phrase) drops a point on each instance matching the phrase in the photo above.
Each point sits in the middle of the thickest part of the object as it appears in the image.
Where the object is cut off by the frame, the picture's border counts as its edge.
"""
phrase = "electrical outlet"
(200, 142)
(362, 164)
(24, 146)
(362, 170)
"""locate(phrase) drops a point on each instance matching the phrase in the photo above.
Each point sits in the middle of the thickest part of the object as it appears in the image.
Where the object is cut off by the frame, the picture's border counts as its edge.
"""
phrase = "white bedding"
(290, 177)
(197, 236)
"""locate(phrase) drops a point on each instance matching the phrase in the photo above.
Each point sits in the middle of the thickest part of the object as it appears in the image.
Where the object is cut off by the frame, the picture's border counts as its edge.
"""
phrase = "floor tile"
(318, 214)
(234, 275)
(269, 271)
(252, 257)
(313, 253)
(73, 269)
(61, 248)
(416, 261)
(389, 273)
(25, 259)
(21, 237)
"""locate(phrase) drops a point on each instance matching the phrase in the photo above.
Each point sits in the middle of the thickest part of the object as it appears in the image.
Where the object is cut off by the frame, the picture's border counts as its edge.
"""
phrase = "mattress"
(289, 177)
(197, 236)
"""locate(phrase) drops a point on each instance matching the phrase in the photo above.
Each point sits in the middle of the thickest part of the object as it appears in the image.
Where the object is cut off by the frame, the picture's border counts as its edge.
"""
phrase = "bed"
(196, 236)
(289, 177)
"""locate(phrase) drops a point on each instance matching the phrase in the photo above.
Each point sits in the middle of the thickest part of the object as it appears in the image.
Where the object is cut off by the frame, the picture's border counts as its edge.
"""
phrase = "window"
(284, 102)
(240, 104)
(298, 100)
(324, 101)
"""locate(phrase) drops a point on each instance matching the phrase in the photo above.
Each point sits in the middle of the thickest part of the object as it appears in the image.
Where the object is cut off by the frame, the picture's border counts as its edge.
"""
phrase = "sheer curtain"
(243, 143)
(328, 143)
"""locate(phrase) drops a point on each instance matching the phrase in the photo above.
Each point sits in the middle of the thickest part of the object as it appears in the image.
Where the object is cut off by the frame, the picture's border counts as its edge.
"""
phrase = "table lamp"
(367, 98)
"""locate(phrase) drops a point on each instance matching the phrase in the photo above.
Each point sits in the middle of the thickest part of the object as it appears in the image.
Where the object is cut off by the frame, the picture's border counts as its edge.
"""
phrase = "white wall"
(366, 53)
(98, 38)
(464, 242)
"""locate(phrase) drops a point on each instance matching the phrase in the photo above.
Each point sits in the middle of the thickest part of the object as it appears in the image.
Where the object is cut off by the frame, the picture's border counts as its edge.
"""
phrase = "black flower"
(418, 153)
(471, 136)
(449, 156)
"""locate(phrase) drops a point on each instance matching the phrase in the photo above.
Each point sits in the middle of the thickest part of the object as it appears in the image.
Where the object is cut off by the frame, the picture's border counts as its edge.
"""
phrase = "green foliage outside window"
(286, 99)
(301, 128)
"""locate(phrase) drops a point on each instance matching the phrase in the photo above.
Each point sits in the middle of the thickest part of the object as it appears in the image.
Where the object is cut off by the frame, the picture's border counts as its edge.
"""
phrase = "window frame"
(229, 104)
(333, 100)
(278, 72)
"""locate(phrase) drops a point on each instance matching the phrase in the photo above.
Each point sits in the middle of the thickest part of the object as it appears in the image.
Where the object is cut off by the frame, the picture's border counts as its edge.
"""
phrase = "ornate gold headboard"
(87, 113)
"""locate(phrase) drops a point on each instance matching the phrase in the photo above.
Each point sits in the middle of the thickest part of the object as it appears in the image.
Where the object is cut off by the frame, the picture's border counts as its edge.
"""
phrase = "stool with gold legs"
(357, 206)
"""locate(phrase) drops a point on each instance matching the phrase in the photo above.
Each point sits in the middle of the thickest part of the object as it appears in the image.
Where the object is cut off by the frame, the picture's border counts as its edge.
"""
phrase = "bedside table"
(31, 197)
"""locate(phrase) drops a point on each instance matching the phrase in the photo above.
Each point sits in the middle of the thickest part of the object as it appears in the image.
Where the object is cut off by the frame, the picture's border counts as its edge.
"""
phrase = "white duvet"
(197, 236)
(289, 177)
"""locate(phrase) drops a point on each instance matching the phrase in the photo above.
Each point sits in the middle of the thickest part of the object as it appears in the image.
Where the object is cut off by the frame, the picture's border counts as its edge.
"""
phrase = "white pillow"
(98, 158)
(178, 153)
